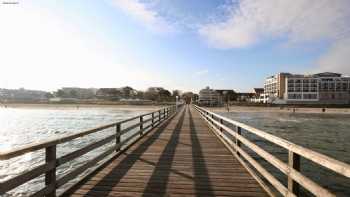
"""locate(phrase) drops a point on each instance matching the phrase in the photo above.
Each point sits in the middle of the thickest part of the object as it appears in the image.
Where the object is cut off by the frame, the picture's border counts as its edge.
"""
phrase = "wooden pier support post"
(293, 162)
(117, 139)
(50, 176)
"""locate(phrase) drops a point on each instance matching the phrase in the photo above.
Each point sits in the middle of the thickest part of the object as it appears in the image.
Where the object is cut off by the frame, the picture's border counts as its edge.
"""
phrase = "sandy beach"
(281, 110)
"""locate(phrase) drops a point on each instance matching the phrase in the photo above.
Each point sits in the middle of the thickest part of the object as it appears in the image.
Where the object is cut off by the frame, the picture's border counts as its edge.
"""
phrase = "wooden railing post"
(160, 116)
(238, 143)
(221, 122)
(141, 125)
(164, 114)
(152, 119)
(50, 176)
(293, 162)
(117, 139)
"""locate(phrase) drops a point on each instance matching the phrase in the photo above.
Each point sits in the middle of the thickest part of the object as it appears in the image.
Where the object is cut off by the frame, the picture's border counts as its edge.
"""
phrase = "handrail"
(5, 155)
(52, 162)
(292, 169)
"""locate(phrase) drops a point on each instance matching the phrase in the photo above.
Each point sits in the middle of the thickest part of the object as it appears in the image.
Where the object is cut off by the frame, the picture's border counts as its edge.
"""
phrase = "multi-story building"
(209, 97)
(323, 88)
(274, 86)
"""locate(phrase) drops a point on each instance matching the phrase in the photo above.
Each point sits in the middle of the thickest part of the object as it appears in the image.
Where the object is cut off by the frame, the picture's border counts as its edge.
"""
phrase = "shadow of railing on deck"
(120, 170)
(160, 176)
(201, 176)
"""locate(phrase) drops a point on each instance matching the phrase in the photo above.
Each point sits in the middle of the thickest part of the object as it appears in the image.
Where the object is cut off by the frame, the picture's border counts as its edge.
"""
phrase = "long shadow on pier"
(202, 186)
(159, 179)
(119, 171)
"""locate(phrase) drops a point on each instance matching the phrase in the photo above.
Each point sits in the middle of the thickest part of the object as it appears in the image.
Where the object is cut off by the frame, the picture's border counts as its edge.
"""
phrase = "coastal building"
(321, 88)
(109, 93)
(274, 87)
(227, 95)
(245, 96)
(209, 97)
(78, 93)
(259, 96)
(22, 94)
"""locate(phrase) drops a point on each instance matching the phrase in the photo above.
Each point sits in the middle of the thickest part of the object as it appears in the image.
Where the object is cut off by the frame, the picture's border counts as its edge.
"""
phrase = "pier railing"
(229, 132)
(52, 162)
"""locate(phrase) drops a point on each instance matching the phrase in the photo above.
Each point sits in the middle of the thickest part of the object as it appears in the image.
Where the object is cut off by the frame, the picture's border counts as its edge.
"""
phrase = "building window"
(310, 96)
(294, 96)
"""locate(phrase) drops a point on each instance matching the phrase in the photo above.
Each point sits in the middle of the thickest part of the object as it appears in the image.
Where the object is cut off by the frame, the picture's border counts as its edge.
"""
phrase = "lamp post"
(177, 98)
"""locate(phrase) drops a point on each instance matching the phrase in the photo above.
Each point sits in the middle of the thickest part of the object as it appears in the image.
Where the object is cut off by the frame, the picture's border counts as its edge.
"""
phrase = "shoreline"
(298, 110)
(80, 106)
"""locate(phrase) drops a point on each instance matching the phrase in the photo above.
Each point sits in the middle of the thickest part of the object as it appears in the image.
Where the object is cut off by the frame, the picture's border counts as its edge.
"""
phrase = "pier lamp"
(177, 98)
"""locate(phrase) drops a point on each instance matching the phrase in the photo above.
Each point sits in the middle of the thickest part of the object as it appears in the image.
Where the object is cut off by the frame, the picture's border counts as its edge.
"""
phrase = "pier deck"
(180, 157)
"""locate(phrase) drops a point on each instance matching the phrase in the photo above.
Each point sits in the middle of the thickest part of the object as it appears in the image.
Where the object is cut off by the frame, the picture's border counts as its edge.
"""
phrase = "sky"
(182, 44)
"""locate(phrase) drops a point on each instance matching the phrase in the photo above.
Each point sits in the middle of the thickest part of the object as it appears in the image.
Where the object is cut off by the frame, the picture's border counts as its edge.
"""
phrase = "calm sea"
(325, 133)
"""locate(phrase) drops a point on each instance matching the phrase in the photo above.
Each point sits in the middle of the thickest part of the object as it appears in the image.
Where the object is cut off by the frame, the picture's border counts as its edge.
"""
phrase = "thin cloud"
(201, 73)
(253, 21)
(144, 15)
(336, 59)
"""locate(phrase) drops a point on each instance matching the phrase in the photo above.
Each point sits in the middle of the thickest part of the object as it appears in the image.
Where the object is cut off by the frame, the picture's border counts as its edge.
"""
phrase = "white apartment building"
(323, 88)
(301, 88)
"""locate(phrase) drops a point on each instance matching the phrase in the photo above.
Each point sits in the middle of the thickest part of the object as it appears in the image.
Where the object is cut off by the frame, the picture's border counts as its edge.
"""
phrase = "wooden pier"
(175, 151)
(182, 157)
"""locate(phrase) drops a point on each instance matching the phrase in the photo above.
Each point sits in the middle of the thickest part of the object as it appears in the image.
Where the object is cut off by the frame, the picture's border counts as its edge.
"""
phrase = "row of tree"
(152, 93)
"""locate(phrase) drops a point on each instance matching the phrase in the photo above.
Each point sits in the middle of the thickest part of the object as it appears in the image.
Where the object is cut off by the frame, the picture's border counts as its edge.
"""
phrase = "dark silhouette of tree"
(128, 92)
(49, 95)
(176, 93)
(140, 95)
(60, 93)
(73, 94)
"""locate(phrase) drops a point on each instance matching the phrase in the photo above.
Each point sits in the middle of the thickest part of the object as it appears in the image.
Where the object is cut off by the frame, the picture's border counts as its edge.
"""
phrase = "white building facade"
(321, 88)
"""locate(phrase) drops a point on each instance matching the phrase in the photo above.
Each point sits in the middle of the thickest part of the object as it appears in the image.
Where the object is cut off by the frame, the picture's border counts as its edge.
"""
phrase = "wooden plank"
(320, 159)
(175, 159)
(71, 175)
(293, 162)
(50, 175)
(230, 145)
(25, 177)
(141, 125)
(5, 155)
(100, 166)
(70, 156)
(295, 175)
(118, 137)
(37, 146)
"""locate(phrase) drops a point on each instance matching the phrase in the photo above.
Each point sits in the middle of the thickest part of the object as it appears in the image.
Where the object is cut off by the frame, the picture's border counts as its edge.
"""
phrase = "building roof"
(221, 91)
(327, 74)
(259, 90)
